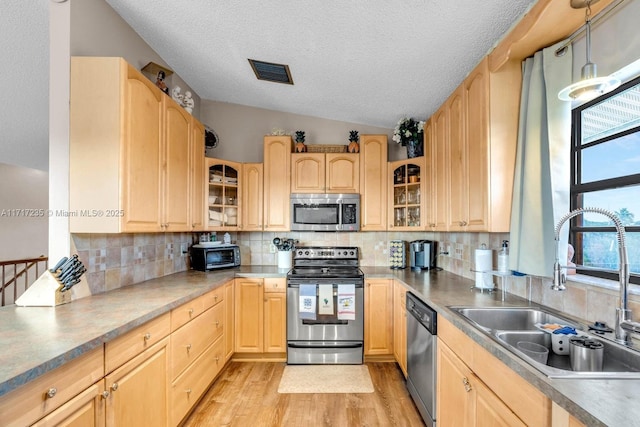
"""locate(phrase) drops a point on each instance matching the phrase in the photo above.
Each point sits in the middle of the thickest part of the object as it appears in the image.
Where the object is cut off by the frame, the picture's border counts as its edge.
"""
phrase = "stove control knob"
(305, 252)
(352, 253)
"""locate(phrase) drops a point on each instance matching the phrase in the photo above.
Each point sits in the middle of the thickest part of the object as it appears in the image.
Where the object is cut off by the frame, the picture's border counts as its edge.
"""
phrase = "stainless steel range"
(325, 303)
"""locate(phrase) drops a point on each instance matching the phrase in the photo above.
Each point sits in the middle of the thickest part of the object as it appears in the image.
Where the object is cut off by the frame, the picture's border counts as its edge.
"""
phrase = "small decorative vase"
(353, 147)
(414, 149)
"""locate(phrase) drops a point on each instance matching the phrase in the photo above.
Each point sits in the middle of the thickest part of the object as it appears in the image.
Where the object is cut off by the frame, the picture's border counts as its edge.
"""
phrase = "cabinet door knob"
(217, 323)
(190, 312)
(51, 392)
(215, 298)
(188, 391)
(188, 348)
(105, 394)
(147, 336)
(467, 385)
(114, 386)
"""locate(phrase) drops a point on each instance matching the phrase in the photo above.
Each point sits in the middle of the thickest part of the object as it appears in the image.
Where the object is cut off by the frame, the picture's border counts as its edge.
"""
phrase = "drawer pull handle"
(188, 348)
(217, 323)
(215, 297)
(106, 394)
(217, 359)
(467, 386)
(51, 392)
(190, 312)
(147, 336)
(188, 391)
(114, 386)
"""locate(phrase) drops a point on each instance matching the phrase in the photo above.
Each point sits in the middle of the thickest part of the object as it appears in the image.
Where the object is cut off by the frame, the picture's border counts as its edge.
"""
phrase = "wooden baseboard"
(379, 358)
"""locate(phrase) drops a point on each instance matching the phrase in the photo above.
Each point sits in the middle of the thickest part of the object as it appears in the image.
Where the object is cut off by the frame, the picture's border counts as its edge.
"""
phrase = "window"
(605, 173)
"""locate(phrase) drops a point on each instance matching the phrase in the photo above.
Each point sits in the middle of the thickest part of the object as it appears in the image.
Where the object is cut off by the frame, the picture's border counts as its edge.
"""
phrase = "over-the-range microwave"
(325, 212)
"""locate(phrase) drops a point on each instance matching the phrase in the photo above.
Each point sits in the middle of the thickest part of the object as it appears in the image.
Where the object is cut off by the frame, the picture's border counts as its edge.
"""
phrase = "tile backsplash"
(117, 260)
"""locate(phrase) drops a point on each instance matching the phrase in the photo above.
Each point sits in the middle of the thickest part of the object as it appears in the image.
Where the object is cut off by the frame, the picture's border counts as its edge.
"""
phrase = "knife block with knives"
(52, 287)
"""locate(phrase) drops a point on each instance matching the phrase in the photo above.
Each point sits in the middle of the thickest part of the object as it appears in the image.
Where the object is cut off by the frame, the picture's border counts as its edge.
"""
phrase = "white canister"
(284, 259)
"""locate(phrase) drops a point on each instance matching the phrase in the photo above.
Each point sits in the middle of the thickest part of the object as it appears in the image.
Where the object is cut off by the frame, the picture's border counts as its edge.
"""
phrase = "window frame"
(577, 189)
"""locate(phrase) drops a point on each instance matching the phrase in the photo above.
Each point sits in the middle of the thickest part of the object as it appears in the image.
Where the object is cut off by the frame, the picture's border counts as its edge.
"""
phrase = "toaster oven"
(207, 257)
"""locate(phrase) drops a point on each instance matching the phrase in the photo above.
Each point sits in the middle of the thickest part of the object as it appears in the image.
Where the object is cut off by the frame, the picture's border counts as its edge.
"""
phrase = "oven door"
(326, 339)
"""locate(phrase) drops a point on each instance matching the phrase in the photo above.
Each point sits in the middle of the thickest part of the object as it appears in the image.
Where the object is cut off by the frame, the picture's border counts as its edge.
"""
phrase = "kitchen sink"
(511, 318)
(509, 325)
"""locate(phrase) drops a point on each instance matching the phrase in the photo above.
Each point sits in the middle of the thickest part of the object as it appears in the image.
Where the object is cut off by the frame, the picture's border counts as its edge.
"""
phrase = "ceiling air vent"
(278, 73)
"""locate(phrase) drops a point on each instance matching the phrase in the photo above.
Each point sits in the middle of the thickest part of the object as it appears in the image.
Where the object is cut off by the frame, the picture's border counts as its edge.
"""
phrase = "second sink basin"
(510, 325)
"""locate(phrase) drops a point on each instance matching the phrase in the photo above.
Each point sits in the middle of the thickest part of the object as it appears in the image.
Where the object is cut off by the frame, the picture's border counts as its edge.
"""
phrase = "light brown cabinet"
(85, 410)
(252, 185)
(54, 390)
(475, 388)
(260, 313)
(197, 349)
(325, 173)
(138, 390)
(277, 182)
(197, 178)
(224, 183)
(406, 197)
(473, 158)
(378, 317)
(130, 152)
(229, 313)
(400, 325)
(373, 182)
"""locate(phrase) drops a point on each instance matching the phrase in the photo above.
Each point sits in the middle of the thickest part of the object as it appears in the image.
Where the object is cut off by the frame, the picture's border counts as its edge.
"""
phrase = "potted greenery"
(409, 133)
(300, 147)
(353, 146)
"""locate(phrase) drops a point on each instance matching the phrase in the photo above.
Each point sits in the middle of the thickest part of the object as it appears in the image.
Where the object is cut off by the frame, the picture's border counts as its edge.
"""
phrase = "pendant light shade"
(590, 85)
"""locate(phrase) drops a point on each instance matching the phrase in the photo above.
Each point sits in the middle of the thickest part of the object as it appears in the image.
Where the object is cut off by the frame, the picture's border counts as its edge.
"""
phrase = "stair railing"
(18, 275)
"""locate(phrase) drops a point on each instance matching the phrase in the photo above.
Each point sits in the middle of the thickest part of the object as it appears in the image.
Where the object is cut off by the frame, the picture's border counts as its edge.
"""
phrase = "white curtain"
(542, 173)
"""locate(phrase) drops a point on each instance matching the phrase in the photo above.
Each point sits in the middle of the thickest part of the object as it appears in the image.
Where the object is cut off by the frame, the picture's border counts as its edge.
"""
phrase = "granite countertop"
(43, 338)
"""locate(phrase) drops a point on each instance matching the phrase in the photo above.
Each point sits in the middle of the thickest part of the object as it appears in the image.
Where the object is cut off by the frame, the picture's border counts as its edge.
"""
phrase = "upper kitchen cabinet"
(277, 182)
(197, 178)
(131, 150)
(373, 182)
(252, 184)
(325, 173)
(224, 186)
(406, 200)
(474, 142)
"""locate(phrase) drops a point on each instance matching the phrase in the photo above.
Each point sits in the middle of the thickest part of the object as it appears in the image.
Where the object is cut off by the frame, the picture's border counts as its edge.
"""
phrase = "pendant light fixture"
(590, 85)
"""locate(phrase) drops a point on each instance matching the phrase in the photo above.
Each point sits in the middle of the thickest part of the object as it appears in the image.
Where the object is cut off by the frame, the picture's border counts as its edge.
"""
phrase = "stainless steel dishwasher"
(421, 357)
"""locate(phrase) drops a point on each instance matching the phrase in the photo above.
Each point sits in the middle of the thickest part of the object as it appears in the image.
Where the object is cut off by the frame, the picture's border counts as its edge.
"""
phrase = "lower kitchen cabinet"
(50, 394)
(260, 315)
(476, 389)
(463, 400)
(400, 325)
(229, 312)
(138, 390)
(378, 317)
(85, 410)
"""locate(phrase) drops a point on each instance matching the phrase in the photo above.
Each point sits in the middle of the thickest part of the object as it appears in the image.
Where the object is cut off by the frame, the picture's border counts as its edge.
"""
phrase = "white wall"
(23, 217)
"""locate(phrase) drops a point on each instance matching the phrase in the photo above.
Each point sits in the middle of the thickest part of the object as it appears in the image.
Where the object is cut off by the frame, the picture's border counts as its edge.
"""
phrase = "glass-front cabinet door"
(223, 207)
(407, 195)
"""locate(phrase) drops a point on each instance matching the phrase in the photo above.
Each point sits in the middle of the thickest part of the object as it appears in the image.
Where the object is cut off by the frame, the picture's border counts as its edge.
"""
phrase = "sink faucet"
(623, 314)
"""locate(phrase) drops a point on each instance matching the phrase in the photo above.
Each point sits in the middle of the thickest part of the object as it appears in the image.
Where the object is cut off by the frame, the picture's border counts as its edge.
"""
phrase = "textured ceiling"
(368, 62)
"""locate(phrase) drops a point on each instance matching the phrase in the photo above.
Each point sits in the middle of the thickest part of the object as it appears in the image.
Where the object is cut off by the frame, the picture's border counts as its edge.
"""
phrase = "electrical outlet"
(272, 248)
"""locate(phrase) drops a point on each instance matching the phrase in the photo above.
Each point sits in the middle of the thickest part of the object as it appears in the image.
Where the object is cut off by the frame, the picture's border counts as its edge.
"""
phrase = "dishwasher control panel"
(422, 312)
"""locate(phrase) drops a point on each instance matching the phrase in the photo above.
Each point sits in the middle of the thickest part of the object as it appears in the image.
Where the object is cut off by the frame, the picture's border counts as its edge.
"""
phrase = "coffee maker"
(422, 255)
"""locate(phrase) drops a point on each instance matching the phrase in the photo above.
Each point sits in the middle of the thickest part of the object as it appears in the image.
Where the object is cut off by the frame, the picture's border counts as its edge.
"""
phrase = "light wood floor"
(246, 394)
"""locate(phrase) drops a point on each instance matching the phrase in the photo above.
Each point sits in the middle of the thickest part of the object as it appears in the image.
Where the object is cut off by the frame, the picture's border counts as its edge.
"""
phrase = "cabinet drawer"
(277, 284)
(187, 312)
(187, 389)
(188, 342)
(30, 402)
(85, 410)
(214, 297)
(127, 346)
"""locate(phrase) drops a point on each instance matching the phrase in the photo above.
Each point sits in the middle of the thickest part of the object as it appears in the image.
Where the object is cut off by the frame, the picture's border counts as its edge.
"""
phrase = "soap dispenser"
(503, 257)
